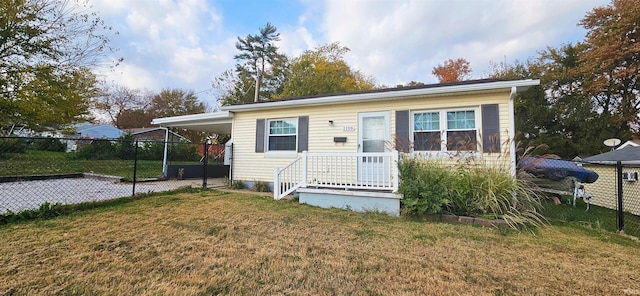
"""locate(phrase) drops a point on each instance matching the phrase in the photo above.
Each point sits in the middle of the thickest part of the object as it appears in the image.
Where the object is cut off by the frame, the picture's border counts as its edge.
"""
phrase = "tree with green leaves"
(323, 70)
(258, 54)
(558, 114)
(46, 50)
(175, 102)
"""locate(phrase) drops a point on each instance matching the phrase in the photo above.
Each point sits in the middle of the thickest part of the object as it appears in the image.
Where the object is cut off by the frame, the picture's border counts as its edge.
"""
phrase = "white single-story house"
(342, 150)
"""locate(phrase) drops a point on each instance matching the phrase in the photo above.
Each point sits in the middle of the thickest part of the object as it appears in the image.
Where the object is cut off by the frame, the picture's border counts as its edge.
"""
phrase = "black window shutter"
(303, 133)
(260, 135)
(490, 128)
(403, 140)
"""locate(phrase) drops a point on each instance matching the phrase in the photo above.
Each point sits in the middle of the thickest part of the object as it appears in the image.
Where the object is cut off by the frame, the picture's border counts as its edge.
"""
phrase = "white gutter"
(385, 95)
(512, 129)
(193, 118)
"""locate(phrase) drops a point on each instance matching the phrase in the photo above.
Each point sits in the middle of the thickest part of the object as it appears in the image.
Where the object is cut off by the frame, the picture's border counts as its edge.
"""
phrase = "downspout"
(512, 130)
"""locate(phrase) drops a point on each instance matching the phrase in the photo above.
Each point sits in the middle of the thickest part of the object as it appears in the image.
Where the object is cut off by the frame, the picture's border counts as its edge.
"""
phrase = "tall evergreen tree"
(258, 53)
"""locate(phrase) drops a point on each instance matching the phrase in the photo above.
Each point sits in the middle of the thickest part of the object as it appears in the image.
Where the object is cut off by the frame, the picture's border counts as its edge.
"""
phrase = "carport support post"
(620, 207)
(206, 164)
(164, 158)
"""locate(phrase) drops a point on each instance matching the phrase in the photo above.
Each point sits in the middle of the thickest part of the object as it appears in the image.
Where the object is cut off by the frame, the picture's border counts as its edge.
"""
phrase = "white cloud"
(294, 41)
(401, 41)
(168, 43)
(185, 44)
(132, 76)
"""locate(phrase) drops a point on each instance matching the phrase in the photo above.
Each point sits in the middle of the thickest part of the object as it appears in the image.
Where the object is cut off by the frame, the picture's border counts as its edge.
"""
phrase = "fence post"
(230, 162)
(620, 195)
(206, 161)
(135, 167)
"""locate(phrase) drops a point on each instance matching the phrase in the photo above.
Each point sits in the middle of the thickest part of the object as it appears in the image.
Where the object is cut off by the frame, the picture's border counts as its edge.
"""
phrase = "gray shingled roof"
(391, 89)
(629, 153)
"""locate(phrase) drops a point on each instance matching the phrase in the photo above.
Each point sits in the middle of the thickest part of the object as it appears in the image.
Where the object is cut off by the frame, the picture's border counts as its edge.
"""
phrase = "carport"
(215, 123)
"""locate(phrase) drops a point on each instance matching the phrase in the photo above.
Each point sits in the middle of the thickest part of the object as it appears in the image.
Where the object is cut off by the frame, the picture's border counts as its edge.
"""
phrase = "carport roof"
(216, 122)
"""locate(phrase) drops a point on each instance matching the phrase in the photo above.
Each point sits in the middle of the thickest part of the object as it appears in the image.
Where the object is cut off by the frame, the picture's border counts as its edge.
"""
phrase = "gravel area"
(19, 196)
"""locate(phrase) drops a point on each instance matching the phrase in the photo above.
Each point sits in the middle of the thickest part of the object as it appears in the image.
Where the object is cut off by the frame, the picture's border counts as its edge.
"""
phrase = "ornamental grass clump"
(472, 188)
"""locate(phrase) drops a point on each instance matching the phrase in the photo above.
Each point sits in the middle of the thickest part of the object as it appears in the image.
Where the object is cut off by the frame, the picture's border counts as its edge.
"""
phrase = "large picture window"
(456, 129)
(282, 134)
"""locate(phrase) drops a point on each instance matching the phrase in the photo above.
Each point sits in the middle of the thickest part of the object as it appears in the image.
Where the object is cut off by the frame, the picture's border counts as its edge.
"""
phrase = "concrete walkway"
(19, 196)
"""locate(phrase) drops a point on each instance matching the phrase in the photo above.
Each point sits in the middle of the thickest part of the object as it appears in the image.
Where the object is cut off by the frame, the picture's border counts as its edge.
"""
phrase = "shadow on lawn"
(596, 217)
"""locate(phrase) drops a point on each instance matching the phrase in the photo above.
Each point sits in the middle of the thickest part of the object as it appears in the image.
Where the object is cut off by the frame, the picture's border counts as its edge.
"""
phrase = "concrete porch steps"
(355, 200)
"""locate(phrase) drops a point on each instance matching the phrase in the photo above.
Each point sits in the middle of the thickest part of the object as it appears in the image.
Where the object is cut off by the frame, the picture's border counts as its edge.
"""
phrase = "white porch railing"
(373, 171)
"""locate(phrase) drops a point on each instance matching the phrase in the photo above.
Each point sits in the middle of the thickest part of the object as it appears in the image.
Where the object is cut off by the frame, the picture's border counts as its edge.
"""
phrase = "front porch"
(356, 181)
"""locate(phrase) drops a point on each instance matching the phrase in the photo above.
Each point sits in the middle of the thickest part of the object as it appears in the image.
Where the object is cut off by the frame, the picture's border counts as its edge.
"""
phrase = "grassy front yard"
(231, 243)
(46, 163)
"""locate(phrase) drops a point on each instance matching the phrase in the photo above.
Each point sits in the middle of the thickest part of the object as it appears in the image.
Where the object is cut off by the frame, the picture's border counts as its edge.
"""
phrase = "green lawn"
(46, 163)
(596, 217)
(217, 242)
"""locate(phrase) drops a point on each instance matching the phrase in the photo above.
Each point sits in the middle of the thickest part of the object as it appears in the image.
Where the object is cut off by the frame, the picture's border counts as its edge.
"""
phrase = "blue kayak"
(556, 169)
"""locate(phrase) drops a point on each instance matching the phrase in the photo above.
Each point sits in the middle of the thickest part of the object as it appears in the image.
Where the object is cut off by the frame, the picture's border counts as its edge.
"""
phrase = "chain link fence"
(619, 190)
(603, 195)
(49, 171)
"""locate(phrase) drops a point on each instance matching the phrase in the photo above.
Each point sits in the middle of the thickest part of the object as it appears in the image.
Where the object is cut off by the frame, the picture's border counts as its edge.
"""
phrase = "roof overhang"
(216, 122)
(519, 85)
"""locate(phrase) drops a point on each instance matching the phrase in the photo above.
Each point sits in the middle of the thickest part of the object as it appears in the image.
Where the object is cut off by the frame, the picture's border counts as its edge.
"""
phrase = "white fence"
(373, 171)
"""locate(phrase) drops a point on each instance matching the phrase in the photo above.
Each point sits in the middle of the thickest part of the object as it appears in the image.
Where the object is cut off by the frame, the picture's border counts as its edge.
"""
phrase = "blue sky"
(187, 43)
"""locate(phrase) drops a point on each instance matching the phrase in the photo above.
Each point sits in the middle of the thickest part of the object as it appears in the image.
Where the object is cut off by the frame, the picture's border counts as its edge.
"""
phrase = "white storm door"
(373, 137)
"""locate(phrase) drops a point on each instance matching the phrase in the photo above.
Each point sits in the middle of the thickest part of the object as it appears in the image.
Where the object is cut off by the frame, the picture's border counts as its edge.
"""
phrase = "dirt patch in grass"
(231, 243)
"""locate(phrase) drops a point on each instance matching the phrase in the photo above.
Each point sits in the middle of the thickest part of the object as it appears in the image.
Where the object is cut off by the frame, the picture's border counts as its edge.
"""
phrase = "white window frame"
(413, 126)
(268, 135)
(444, 128)
(476, 124)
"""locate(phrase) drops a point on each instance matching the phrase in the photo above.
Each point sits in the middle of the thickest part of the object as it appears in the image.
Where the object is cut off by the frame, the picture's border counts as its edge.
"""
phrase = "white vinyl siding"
(251, 166)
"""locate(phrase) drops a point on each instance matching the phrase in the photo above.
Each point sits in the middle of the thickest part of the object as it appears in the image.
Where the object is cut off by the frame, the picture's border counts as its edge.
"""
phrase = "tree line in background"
(589, 90)
(133, 108)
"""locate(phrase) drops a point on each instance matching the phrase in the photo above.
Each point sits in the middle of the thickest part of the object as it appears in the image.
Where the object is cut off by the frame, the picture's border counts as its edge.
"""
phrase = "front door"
(373, 137)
